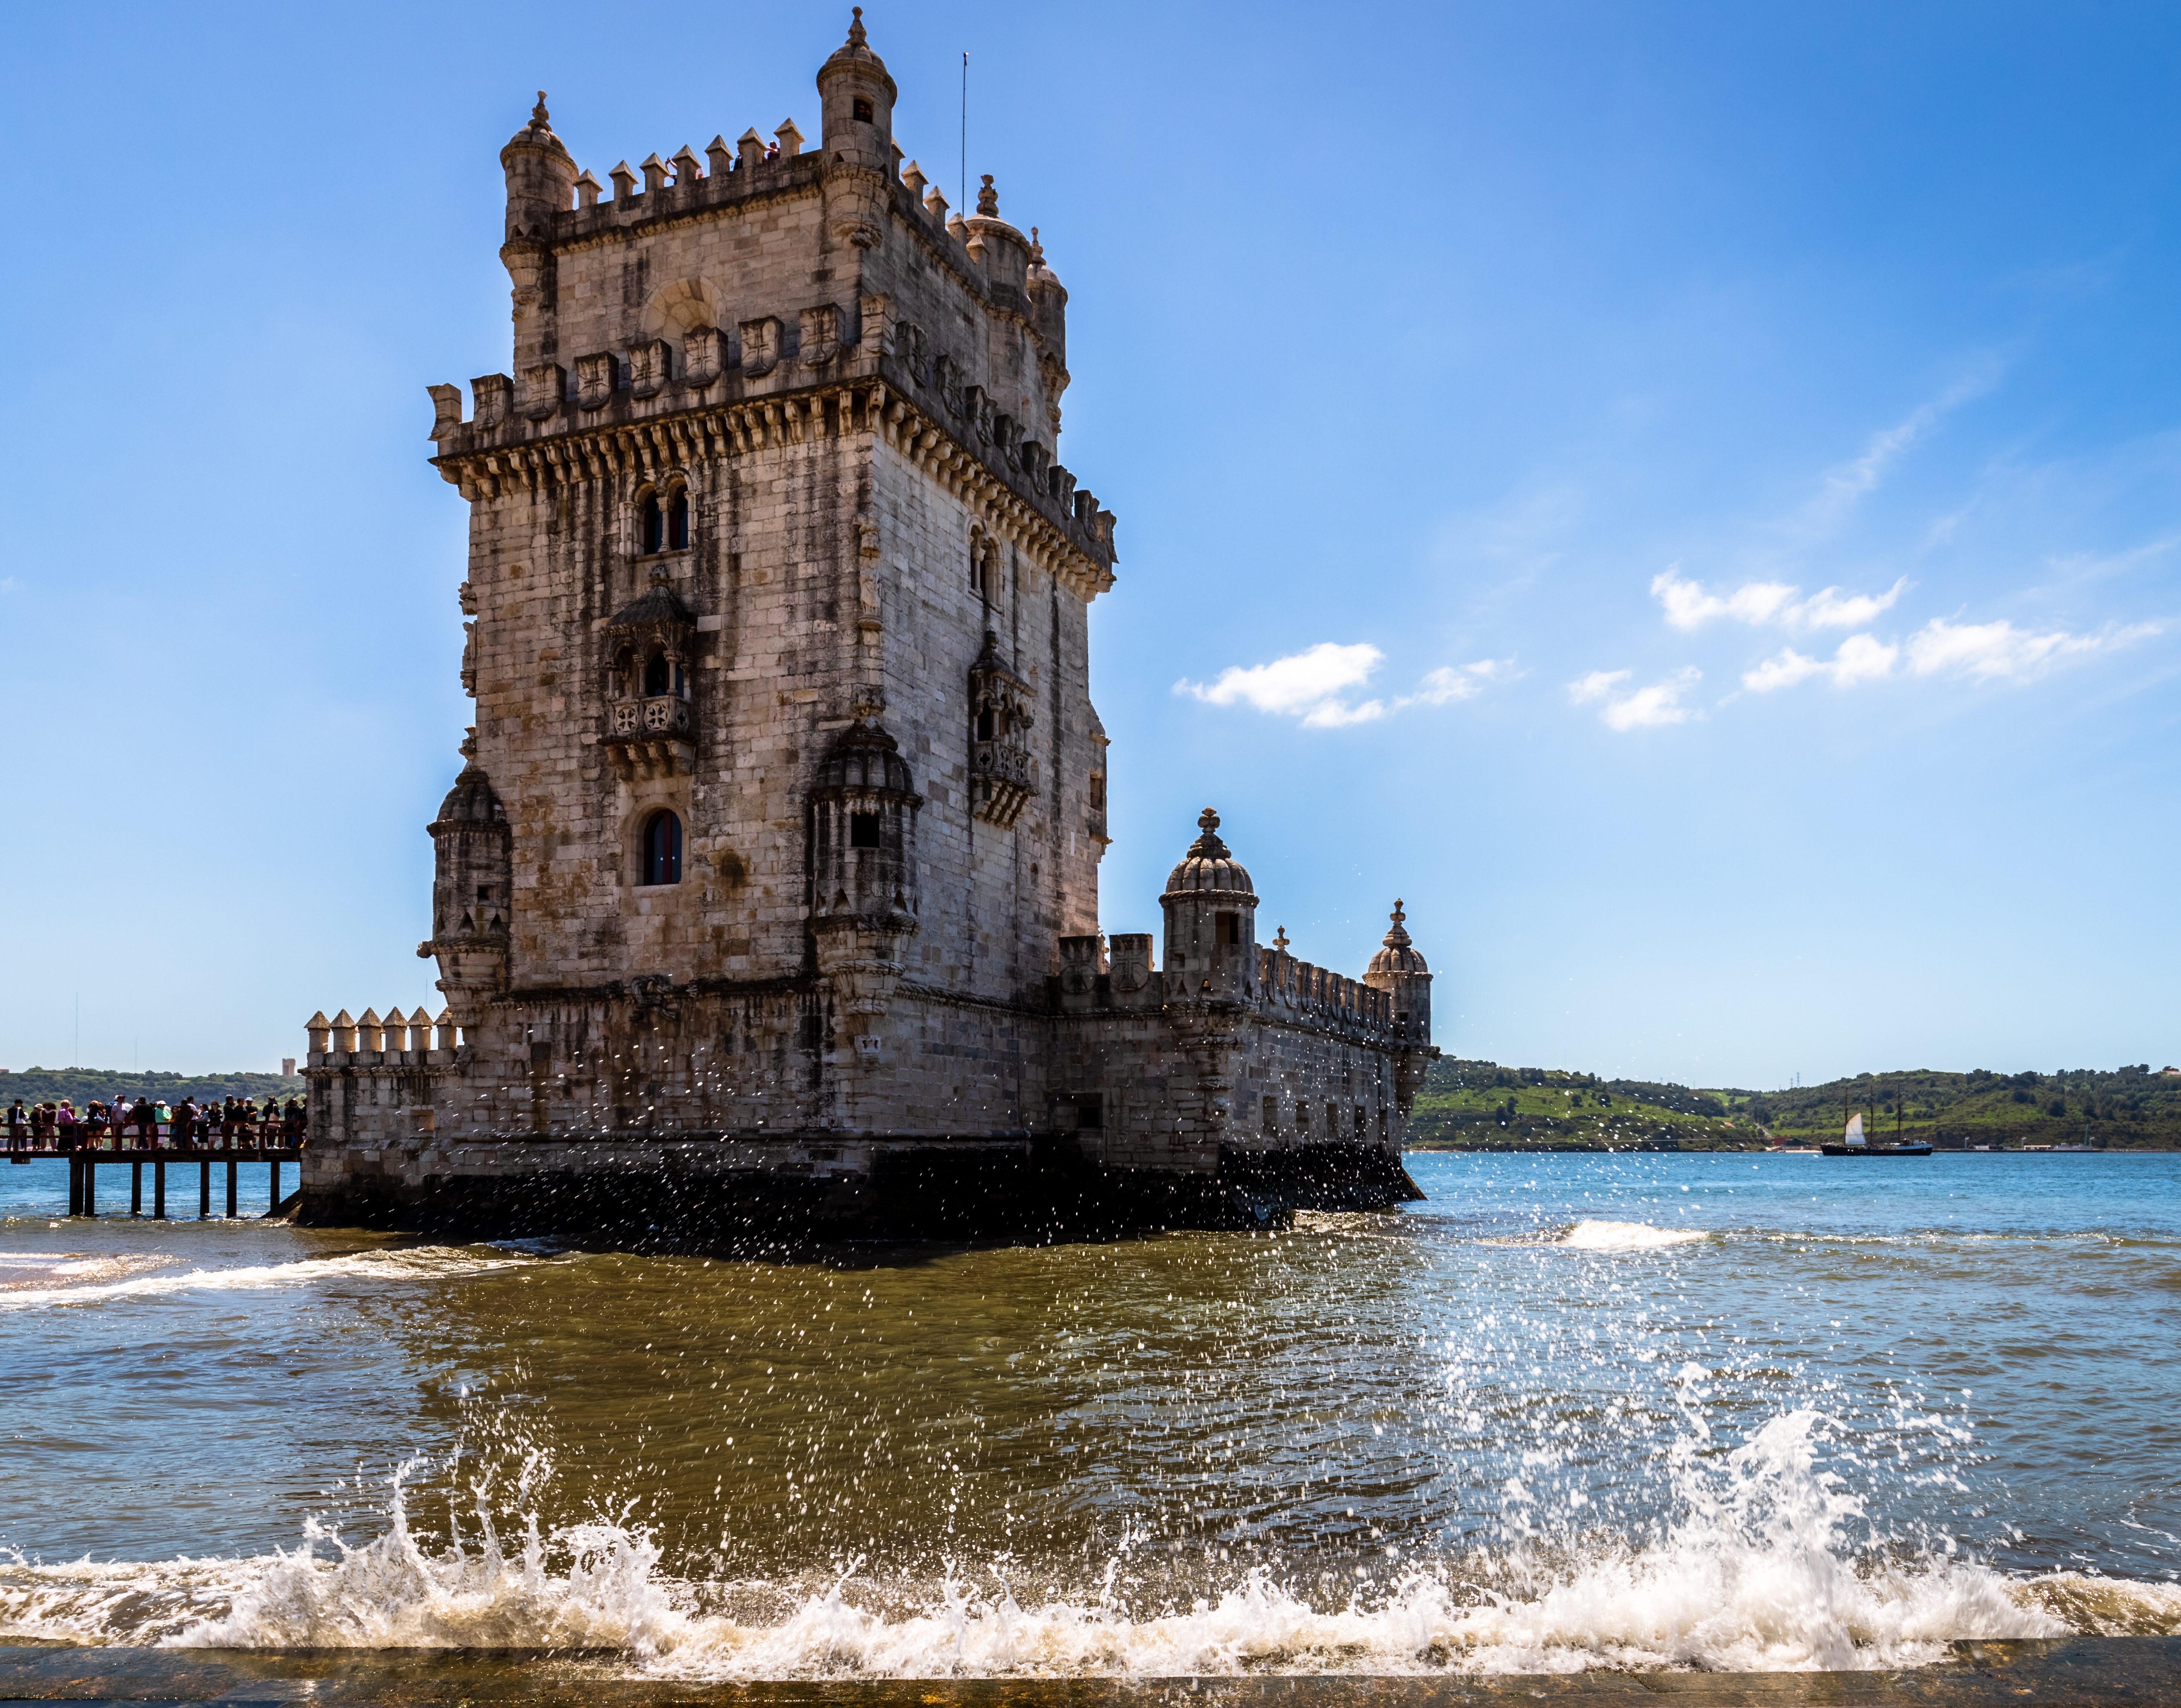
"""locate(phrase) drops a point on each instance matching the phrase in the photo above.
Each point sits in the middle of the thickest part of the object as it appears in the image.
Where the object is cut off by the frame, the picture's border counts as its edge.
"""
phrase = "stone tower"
(779, 828)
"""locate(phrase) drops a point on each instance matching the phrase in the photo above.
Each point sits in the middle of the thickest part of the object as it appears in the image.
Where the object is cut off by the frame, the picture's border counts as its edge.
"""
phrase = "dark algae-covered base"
(2073, 1673)
(715, 1193)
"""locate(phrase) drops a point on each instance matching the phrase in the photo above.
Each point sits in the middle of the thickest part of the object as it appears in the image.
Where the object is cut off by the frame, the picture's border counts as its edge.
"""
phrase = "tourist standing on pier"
(19, 1127)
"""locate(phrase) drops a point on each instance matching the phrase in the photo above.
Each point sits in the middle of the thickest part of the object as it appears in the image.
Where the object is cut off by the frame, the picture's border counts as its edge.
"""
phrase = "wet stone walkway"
(2066, 1672)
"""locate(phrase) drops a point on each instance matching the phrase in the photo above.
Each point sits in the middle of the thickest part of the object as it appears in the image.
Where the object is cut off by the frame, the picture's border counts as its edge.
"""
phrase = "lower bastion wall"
(713, 1110)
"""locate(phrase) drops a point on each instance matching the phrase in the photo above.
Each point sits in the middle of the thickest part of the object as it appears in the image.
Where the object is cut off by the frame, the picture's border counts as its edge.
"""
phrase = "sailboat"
(1854, 1144)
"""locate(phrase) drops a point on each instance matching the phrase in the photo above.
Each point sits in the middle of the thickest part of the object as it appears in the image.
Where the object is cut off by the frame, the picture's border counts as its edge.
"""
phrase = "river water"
(1724, 1410)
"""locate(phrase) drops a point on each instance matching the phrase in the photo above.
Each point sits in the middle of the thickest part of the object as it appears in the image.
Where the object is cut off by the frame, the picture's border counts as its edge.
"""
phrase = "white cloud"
(1859, 657)
(1313, 685)
(1597, 685)
(1646, 708)
(1981, 651)
(1690, 605)
(1307, 684)
(1455, 682)
(1833, 608)
(2001, 652)
(1851, 481)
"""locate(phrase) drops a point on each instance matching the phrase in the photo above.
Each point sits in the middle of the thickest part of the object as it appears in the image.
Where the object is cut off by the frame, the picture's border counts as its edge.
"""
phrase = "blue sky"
(1686, 495)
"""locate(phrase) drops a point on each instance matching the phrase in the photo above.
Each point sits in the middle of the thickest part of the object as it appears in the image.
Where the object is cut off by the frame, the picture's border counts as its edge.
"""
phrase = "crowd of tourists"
(149, 1124)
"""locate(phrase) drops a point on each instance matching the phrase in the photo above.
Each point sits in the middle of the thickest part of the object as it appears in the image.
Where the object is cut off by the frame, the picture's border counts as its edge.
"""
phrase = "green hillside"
(2125, 1108)
(1483, 1106)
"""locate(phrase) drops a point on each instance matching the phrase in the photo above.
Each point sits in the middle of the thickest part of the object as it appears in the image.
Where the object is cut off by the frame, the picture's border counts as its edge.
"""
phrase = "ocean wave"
(1755, 1576)
(1624, 1236)
(430, 1264)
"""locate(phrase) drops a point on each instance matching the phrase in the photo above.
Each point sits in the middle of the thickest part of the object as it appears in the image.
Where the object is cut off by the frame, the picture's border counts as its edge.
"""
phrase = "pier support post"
(158, 1190)
(230, 1188)
(204, 1190)
(75, 1187)
(135, 1189)
(90, 1186)
(275, 1209)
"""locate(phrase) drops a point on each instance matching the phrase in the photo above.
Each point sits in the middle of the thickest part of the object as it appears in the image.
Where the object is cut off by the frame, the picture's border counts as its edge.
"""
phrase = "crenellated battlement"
(1285, 989)
(414, 1040)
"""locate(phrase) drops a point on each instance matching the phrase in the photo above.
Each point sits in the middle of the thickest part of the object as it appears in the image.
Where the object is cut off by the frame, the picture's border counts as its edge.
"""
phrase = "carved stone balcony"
(1001, 781)
(651, 736)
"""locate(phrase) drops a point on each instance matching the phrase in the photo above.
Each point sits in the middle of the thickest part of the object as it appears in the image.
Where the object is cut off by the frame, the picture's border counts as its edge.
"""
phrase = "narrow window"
(1272, 1115)
(1333, 1120)
(662, 850)
(1097, 791)
(651, 526)
(656, 677)
(987, 724)
(1230, 930)
(976, 568)
(1302, 1117)
(484, 892)
(863, 110)
(862, 830)
(677, 523)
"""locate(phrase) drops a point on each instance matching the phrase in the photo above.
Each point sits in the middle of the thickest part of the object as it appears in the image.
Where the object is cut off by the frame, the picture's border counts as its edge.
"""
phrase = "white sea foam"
(1757, 1575)
(426, 1264)
(1624, 1236)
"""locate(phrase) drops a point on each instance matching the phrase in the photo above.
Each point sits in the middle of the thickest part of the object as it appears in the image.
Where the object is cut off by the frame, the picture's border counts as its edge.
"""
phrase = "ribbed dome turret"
(538, 132)
(1208, 865)
(865, 757)
(855, 54)
(1398, 956)
(471, 801)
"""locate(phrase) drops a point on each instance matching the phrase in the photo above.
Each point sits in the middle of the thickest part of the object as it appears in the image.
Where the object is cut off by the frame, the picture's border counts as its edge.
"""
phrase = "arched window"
(662, 850)
(678, 523)
(658, 676)
(651, 526)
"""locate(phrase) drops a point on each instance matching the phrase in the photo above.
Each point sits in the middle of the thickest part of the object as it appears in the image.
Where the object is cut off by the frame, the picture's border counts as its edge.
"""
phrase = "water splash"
(1757, 1574)
(1624, 1236)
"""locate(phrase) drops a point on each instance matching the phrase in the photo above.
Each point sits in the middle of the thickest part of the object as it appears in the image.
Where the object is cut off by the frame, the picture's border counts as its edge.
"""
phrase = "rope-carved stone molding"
(649, 450)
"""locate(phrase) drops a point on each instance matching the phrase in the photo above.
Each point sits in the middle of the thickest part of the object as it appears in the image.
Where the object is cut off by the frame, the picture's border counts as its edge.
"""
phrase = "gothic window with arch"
(650, 526)
(662, 849)
(677, 522)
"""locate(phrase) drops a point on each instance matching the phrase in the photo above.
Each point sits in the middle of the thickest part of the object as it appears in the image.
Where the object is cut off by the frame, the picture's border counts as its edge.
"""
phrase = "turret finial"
(988, 200)
(856, 29)
(1397, 937)
(468, 748)
(1208, 846)
(539, 116)
(1036, 249)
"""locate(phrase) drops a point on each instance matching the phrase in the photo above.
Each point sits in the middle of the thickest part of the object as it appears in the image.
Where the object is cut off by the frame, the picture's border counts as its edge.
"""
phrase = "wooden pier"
(83, 1168)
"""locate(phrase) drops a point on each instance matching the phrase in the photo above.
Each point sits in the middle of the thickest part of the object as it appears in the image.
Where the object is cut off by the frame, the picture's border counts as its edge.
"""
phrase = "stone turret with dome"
(1399, 971)
(1211, 919)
